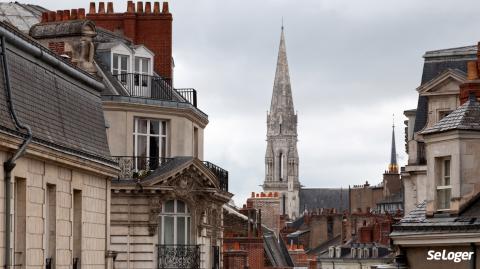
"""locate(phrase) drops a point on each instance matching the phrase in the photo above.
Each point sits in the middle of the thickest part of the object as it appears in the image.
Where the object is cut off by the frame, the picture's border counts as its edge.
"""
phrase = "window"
(195, 142)
(120, 67)
(444, 188)
(50, 224)
(280, 167)
(443, 114)
(142, 70)
(150, 143)
(77, 227)
(20, 224)
(175, 223)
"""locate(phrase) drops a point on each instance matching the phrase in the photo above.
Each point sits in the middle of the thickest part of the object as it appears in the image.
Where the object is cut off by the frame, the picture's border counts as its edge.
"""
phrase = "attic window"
(443, 114)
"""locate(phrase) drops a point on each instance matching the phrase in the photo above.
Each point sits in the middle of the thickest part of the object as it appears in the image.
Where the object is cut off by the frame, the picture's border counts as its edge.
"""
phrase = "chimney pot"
(44, 16)
(81, 14)
(156, 7)
(51, 16)
(472, 70)
(148, 7)
(253, 194)
(74, 14)
(165, 7)
(66, 15)
(59, 15)
(101, 7)
(130, 7)
(92, 8)
(139, 7)
(110, 7)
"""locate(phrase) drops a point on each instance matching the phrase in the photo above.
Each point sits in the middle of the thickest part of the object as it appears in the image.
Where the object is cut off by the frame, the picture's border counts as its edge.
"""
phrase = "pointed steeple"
(282, 112)
(393, 166)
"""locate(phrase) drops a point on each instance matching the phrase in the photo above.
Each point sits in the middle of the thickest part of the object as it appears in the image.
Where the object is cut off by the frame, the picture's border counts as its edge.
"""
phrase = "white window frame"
(443, 178)
(176, 215)
(119, 68)
(162, 135)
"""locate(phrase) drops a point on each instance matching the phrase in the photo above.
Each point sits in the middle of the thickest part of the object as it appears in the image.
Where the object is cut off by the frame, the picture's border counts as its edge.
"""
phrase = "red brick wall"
(235, 259)
(252, 246)
(270, 207)
(152, 28)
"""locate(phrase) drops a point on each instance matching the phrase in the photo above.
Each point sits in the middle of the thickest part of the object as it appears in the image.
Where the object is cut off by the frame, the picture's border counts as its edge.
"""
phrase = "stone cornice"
(45, 153)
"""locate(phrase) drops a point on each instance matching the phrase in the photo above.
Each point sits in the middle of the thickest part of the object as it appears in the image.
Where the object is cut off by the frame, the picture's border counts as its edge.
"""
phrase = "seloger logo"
(455, 256)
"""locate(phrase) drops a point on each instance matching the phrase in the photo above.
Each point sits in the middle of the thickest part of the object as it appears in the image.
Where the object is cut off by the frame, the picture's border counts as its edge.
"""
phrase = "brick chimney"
(143, 27)
(473, 82)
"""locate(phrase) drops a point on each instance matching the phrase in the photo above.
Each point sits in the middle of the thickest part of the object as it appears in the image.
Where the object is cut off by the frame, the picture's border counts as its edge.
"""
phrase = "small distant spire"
(282, 23)
(393, 166)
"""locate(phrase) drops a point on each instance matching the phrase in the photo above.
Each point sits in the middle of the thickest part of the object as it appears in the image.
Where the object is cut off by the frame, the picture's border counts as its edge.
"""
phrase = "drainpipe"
(473, 261)
(9, 165)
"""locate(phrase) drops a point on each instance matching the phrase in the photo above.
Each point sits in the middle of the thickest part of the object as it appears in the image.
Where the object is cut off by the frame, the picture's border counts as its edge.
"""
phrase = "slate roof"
(417, 222)
(465, 117)
(313, 198)
(436, 62)
(23, 16)
(63, 113)
(276, 251)
(169, 166)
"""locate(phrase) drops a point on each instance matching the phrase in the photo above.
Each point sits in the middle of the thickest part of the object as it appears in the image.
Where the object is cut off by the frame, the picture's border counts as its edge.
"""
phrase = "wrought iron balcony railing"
(155, 87)
(178, 256)
(221, 174)
(137, 167)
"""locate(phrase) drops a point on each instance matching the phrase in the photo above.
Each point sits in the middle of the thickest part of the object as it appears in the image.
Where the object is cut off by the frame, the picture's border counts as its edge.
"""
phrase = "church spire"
(281, 157)
(281, 107)
(393, 166)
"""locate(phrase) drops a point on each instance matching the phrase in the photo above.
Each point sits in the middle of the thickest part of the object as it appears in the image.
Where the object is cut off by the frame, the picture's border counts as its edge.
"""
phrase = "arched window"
(174, 223)
(280, 166)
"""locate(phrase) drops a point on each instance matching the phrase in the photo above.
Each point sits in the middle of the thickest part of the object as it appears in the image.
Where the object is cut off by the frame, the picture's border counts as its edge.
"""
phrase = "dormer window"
(142, 71)
(120, 66)
(444, 187)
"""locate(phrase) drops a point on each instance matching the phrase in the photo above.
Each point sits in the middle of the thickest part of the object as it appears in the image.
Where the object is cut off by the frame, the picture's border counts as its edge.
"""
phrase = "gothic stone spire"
(393, 166)
(282, 118)
(281, 157)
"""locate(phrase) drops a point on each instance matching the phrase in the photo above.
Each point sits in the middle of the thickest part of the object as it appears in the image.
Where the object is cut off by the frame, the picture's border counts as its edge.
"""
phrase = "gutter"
(10, 164)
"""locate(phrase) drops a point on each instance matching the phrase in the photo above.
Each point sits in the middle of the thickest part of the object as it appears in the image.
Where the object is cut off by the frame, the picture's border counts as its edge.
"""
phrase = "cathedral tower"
(281, 157)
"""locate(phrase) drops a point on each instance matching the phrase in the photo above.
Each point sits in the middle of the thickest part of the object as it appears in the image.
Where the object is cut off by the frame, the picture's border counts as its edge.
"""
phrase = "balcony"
(178, 256)
(138, 167)
(222, 174)
(155, 87)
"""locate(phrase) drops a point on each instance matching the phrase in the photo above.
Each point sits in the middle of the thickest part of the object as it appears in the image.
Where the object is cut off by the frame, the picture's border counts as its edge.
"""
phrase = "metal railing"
(221, 174)
(178, 256)
(137, 167)
(190, 95)
(155, 87)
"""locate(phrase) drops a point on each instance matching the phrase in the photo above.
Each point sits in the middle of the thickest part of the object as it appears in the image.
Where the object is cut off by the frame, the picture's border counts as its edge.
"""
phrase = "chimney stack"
(66, 15)
(44, 17)
(130, 7)
(472, 70)
(101, 7)
(59, 15)
(148, 7)
(51, 16)
(165, 7)
(74, 14)
(110, 7)
(92, 8)
(156, 7)
(139, 7)
(81, 14)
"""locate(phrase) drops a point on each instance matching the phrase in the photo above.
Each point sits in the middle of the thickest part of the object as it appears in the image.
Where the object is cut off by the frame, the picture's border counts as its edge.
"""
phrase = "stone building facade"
(59, 206)
(446, 219)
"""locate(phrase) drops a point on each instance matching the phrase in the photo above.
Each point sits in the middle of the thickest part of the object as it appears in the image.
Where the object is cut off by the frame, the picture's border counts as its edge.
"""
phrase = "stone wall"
(44, 189)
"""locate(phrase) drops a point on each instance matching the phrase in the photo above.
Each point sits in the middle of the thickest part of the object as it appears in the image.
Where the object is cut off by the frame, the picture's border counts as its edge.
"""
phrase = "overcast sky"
(352, 65)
